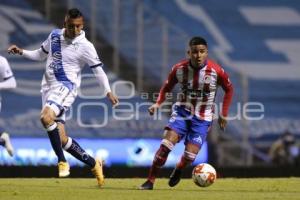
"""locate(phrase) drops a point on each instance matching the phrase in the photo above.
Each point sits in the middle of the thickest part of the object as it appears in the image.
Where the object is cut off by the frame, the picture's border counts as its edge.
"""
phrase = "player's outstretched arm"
(14, 49)
(152, 109)
(113, 99)
(37, 55)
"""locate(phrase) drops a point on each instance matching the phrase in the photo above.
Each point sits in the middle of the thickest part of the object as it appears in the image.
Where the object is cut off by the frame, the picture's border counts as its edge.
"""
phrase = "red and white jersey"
(198, 88)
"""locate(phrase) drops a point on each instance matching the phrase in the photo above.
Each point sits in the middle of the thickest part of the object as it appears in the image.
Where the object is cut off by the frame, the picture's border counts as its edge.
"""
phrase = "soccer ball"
(204, 175)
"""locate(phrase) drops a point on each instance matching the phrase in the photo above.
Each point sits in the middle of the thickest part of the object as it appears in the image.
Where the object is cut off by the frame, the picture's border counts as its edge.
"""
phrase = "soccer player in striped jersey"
(66, 52)
(191, 119)
(7, 81)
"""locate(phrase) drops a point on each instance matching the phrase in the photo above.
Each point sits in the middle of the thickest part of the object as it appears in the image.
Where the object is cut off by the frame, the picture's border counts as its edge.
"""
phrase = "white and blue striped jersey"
(5, 70)
(66, 58)
(5, 74)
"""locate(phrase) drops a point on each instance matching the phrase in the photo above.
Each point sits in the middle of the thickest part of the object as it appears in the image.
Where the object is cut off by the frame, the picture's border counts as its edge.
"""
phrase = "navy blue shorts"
(188, 126)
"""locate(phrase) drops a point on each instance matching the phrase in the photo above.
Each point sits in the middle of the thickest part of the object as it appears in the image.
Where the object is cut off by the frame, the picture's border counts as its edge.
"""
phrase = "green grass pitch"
(123, 189)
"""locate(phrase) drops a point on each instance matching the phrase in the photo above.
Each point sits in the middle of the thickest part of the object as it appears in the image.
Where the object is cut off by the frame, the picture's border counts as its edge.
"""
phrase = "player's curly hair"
(197, 41)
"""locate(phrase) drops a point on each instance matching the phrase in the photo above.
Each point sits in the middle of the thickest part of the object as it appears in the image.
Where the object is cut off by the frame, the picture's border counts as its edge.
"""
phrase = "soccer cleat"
(175, 177)
(98, 172)
(8, 146)
(63, 169)
(148, 185)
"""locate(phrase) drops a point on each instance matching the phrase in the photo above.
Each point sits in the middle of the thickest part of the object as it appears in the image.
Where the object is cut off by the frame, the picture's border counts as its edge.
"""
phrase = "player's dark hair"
(74, 13)
(197, 41)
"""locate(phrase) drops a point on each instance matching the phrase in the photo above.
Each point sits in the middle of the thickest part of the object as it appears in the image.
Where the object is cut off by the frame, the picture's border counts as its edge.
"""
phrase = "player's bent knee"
(53, 108)
(48, 116)
(46, 120)
(168, 144)
(171, 136)
(161, 155)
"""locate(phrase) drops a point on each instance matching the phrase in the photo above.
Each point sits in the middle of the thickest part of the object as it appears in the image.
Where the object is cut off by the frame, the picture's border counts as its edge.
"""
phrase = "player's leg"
(188, 157)
(48, 117)
(160, 158)
(5, 142)
(190, 152)
(72, 146)
(174, 131)
(193, 142)
(52, 107)
(48, 120)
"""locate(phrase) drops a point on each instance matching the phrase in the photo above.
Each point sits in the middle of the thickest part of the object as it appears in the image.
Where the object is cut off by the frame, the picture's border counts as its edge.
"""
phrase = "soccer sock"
(75, 150)
(186, 159)
(160, 159)
(53, 134)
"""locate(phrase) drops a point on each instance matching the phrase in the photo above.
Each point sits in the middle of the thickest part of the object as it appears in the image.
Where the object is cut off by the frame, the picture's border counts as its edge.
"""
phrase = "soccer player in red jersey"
(191, 119)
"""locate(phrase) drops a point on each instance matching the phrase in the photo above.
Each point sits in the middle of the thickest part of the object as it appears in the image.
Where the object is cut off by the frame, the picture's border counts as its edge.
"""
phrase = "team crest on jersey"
(207, 79)
(76, 46)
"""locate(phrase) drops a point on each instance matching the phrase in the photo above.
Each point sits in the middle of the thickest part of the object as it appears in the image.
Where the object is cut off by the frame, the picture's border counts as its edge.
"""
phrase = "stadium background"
(257, 42)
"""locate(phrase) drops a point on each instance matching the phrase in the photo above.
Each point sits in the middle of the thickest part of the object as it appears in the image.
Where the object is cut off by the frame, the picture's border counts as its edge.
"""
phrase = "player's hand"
(14, 49)
(153, 108)
(222, 122)
(113, 99)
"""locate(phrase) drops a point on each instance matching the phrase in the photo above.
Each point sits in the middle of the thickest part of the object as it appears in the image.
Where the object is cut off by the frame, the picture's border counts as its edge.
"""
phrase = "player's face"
(198, 54)
(73, 27)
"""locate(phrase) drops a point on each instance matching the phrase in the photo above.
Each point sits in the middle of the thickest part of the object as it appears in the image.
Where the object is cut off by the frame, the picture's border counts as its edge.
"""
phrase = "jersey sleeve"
(5, 69)
(91, 57)
(46, 45)
(167, 86)
(224, 81)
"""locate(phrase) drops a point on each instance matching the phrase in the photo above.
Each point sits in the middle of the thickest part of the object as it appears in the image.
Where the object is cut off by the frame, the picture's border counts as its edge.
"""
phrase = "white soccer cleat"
(63, 169)
(8, 146)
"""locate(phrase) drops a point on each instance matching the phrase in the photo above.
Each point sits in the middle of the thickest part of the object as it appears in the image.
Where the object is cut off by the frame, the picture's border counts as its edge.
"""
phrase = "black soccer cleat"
(148, 185)
(175, 177)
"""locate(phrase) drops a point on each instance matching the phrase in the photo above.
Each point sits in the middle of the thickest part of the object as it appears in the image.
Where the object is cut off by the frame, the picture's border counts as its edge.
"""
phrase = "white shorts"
(59, 99)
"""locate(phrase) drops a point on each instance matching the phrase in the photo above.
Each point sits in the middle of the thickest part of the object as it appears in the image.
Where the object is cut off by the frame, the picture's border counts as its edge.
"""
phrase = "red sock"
(160, 159)
(186, 159)
(153, 173)
(183, 163)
